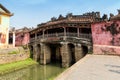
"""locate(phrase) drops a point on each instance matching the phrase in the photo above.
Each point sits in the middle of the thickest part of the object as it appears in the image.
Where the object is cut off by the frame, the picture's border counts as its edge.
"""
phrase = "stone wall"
(106, 50)
(8, 57)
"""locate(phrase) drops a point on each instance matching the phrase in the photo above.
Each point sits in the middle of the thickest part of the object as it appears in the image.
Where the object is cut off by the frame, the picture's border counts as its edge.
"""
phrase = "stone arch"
(38, 52)
(31, 51)
(71, 50)
(84, 50)
(55, 53)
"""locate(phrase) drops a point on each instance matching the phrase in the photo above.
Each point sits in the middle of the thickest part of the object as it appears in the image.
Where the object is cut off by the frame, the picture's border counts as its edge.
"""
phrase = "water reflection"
(36, 72)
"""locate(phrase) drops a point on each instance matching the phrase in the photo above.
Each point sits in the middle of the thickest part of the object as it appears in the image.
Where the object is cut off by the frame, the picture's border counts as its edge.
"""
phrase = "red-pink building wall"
(21, 39)
(106, 37)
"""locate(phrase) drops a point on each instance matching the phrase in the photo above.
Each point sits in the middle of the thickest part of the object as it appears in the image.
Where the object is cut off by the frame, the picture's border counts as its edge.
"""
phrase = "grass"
(9, 67)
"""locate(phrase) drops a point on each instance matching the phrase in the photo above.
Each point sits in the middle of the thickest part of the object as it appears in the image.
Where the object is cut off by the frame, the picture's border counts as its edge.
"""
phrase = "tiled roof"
(117, 17)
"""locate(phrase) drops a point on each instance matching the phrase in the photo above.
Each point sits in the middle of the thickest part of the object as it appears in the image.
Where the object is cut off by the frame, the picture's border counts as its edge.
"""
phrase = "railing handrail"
(68, 34)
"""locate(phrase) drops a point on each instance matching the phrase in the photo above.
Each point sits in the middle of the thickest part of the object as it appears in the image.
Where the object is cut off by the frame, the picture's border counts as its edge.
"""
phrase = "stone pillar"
(35, 52)
(42, 54)
(78, 52)
(66, 58)
(13, 38)
(45, 56)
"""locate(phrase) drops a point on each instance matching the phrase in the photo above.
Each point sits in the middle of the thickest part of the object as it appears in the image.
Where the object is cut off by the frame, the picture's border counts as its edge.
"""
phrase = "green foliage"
(13, 52)
(5, 68)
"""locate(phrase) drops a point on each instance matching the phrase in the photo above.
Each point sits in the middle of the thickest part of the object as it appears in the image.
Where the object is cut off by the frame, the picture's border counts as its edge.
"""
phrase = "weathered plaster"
(106, 35)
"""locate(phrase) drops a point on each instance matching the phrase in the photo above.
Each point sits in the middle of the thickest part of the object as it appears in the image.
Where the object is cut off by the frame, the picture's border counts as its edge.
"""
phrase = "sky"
(29, 13)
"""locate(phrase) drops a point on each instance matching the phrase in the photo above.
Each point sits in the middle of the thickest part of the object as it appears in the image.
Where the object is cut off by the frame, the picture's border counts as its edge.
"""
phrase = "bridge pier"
(66, 53)
(45, 56)
(66, 57)
(78, 52)
(35, 52)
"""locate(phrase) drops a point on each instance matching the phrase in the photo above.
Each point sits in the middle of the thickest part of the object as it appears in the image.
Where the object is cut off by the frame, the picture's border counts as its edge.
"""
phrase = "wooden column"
(43, 33)
(64, 33)
(78, 32)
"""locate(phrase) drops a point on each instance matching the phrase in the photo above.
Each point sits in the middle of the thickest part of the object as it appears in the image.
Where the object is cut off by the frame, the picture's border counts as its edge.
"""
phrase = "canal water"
(35, 72)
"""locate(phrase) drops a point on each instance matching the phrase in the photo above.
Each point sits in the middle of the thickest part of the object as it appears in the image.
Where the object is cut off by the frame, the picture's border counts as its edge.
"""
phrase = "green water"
(36, 72)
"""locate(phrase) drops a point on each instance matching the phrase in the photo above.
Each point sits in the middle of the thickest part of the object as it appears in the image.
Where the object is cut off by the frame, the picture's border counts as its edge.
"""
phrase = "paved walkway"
(94, 67)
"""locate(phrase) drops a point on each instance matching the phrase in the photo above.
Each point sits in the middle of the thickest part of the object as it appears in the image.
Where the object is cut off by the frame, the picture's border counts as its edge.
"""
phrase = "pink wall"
(106, 37)
(22, 39)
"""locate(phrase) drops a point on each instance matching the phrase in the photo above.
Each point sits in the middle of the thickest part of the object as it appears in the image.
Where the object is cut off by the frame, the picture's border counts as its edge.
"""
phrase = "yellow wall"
(4, 22)
(0, 19)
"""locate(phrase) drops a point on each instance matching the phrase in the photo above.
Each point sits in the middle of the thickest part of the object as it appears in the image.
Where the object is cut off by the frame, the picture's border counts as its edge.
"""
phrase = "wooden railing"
(81, 35)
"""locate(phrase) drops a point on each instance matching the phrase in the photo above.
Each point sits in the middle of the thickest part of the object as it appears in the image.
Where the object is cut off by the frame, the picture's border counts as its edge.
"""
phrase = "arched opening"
(85, 50)
(31, 51)
(38, 52)
(72, 53)
(55, 53)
